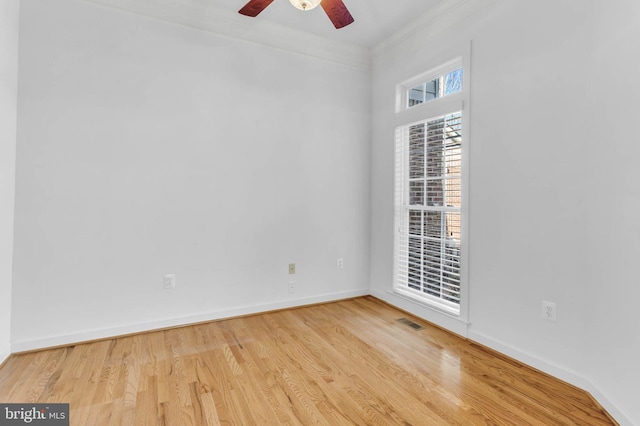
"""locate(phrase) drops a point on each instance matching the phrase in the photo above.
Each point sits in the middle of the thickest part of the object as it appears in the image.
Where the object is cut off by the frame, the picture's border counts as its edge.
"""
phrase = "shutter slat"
(428, 207)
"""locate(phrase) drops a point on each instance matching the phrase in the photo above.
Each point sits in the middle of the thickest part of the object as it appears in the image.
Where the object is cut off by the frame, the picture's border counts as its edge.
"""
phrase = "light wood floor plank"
(344, 363)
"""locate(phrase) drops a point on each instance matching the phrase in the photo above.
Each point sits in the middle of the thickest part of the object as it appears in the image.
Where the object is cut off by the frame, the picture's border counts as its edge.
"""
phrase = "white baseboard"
(548, 367)
(554, 370)
(5, 352)
(88, 335)
(446, 321)
(610, 406)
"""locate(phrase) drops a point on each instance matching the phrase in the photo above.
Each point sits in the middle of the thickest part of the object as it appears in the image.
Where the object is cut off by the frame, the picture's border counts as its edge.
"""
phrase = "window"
(429, 197)
(444, 85)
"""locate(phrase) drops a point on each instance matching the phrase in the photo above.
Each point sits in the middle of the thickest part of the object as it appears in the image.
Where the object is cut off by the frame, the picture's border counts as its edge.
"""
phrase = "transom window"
(433, 89)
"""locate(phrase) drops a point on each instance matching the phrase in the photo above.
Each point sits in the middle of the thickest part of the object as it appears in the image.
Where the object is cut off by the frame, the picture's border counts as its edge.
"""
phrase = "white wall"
(615, 203)
(147, 148)
(9, 11)
(554, 196)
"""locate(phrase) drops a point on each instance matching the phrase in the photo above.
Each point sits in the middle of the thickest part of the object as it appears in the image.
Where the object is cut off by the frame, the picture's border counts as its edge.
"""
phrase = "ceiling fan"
(335, 9)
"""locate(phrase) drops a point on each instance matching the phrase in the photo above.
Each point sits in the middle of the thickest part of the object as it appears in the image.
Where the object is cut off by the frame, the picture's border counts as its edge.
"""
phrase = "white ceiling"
(379, 24)
(375, 20)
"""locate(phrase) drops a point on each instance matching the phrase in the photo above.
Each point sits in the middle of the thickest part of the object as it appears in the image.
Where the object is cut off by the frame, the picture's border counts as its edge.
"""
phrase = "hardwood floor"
(343, 363)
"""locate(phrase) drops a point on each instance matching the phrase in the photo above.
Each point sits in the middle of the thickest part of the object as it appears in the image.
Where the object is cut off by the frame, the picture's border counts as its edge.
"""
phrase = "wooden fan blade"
(254, 7)
(337, 12)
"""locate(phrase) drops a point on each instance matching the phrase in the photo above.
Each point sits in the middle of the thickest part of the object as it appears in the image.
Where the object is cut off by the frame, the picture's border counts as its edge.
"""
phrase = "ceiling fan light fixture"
(335, 9)
(305, 4)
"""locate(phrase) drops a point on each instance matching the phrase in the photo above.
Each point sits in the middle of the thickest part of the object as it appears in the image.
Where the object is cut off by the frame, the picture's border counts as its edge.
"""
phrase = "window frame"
(432, 75)
(402, 89)
(410, 115)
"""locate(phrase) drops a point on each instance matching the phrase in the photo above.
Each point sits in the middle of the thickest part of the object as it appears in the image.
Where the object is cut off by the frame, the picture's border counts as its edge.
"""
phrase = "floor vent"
(411, 324)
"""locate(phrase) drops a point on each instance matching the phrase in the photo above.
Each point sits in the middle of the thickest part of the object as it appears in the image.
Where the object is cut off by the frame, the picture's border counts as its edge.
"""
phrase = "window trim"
(405, 116)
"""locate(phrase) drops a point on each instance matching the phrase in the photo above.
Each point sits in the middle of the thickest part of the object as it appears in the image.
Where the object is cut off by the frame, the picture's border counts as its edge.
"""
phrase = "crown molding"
(441, 17)
(207, 17)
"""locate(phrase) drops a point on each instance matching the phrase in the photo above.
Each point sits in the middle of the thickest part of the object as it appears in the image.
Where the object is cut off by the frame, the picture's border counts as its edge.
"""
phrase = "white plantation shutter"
(428, 201)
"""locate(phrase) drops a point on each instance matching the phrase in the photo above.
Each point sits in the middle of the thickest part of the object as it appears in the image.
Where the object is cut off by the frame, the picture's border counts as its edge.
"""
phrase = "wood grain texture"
(337, 13)
(254, 7)
(345, 363)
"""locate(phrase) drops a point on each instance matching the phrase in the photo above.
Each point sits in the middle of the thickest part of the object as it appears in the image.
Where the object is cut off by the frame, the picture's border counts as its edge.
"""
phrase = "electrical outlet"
(340, 263)
(292, 286)
(549, 311)
(169, 281)
(292, 269)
